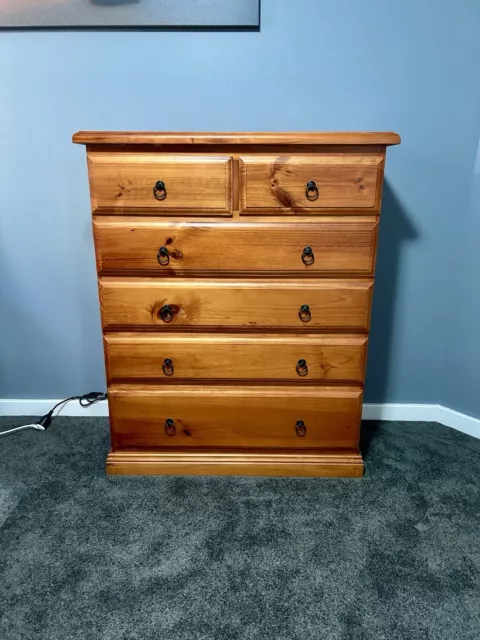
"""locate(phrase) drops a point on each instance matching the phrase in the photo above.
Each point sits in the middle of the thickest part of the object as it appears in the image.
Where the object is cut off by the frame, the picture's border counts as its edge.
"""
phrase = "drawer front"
(124, 182)
(208, 417)
(161, 247)
(329, 358)
(253, 304)
(302, 184)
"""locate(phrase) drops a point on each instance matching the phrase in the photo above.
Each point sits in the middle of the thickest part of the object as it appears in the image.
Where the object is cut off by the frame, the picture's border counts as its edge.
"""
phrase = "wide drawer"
(159, 184)
(285, 417)
(253, 304)
(158, 246)
(310, 183)
(317, 358)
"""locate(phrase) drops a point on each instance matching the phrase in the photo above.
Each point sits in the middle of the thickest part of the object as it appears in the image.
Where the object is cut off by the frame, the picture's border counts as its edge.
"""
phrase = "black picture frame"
(130, 14)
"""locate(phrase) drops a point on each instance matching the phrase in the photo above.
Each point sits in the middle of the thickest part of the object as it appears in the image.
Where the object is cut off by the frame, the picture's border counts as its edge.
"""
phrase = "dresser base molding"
(196, 463)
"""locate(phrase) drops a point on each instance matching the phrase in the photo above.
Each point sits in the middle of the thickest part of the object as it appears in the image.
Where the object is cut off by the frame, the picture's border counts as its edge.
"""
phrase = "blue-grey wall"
(408, 66)
(462, 357)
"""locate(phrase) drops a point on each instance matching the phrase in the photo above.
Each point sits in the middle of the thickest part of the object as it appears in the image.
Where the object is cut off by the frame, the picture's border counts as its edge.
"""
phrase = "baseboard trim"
(41, 407)
(390, 411)
(459, 421)
(423, 413)
(402, 412)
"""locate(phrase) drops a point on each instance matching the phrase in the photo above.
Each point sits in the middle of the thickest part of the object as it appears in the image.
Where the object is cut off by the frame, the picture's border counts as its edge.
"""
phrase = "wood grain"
(233, 290)
(235, 417)
(202, 138)
(123, 182)
(265, 463)
(329, 358)
(250, 304)
(278, 183)
(124, 244)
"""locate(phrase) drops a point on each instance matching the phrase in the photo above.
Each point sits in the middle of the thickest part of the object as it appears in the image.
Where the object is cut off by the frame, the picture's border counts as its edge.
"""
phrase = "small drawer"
(310, 184)
(252, 304)
(190, 248)
(284, 417)
(125, 182)
(311, 358)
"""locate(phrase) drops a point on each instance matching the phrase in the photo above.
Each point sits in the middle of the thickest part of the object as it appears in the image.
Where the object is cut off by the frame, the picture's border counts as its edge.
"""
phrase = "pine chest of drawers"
(235, 274)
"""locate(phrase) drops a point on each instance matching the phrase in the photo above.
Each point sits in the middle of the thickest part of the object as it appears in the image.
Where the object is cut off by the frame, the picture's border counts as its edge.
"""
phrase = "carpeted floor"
(392, 556)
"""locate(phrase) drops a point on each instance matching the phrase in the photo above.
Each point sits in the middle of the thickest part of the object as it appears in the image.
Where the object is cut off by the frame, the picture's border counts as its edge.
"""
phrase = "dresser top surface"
(228, 138)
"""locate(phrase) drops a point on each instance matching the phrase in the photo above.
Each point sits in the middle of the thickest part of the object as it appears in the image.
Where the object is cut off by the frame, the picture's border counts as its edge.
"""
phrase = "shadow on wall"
(395, 230)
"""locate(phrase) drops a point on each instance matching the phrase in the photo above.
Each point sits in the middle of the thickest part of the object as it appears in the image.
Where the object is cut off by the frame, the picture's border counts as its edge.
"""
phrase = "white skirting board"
(423, 413)
(401, 412)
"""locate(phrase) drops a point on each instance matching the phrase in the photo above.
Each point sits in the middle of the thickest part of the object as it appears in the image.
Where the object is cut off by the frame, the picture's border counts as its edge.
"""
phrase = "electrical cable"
(45, 421)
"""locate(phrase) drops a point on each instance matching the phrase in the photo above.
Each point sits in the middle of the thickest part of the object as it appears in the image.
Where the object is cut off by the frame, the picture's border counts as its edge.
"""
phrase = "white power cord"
(38, 427)
(45, 421)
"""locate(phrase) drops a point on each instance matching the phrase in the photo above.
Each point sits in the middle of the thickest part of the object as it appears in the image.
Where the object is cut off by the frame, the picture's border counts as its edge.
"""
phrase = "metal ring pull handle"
(311, 191)
(304, 314)
(167, 367)
(170, 428)
(160, 190)
(302, 368)
(308, 257)
(166, 313)
(300, 429)
(163, 256)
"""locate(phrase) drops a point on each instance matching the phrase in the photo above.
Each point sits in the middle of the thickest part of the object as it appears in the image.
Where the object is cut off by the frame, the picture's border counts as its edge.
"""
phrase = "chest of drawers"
(235, 276)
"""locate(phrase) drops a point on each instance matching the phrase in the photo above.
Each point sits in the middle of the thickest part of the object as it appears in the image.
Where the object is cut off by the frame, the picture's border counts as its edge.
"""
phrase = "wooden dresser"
(235, 273)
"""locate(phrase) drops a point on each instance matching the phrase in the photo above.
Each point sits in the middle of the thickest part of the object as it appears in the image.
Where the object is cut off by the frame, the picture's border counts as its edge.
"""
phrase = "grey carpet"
(395, 555)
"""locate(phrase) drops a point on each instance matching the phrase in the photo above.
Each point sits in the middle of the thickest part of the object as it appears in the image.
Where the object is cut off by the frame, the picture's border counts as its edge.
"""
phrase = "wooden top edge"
(293, 138)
